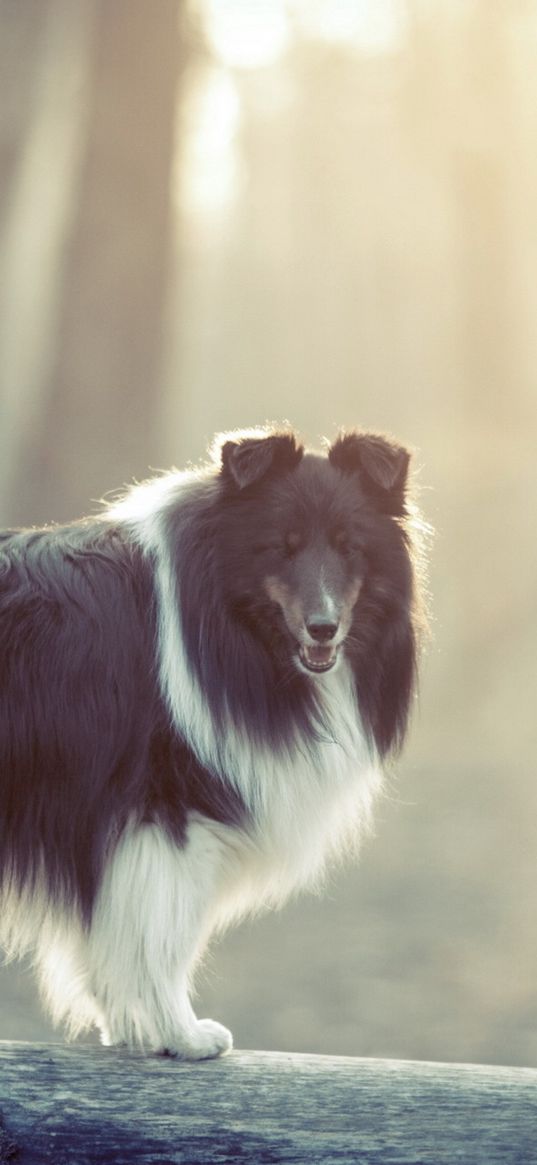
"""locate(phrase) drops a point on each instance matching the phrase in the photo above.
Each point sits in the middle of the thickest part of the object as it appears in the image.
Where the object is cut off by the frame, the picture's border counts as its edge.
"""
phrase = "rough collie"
(198, 689)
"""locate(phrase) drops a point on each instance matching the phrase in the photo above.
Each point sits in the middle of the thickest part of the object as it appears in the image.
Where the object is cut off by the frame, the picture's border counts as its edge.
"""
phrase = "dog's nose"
(321, 629)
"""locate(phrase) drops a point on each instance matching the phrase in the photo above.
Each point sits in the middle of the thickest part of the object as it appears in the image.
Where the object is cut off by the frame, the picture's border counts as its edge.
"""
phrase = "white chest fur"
(308, 803)
(308, 807)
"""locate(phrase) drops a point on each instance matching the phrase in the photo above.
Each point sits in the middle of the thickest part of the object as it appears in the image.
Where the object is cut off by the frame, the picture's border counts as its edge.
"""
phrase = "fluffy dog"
(198, 689)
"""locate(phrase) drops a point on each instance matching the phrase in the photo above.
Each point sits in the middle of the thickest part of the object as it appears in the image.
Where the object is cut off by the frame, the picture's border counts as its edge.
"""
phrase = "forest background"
(227, 211)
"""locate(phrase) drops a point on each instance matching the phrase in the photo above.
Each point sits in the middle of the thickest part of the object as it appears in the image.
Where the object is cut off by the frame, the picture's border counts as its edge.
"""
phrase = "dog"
(199, 687)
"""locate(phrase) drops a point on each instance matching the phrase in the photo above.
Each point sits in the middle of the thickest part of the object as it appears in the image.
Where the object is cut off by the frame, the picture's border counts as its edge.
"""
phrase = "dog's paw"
(203, 1042)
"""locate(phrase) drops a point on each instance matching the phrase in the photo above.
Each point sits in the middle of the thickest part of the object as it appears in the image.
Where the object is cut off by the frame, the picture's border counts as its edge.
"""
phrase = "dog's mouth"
(318, 657)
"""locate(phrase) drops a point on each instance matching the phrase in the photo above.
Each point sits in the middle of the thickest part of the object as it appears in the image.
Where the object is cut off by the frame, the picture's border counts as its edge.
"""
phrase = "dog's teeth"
(318, 657)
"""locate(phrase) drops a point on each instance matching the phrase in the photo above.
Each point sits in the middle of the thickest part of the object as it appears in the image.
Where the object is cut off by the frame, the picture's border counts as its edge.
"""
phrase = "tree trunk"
(95, 422)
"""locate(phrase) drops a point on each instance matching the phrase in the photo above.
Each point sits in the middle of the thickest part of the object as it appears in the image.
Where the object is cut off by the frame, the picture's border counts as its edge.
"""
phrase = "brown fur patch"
(291, 605)
(350, 598)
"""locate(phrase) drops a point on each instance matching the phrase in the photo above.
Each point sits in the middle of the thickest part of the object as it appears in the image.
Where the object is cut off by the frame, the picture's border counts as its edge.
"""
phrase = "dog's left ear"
(382, 466)
(248, 459)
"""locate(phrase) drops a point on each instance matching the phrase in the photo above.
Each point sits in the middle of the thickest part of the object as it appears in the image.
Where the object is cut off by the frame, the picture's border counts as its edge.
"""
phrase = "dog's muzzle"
(320, 655)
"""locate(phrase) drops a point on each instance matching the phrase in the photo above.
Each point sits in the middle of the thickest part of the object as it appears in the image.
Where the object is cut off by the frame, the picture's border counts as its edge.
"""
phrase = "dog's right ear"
(246, 459)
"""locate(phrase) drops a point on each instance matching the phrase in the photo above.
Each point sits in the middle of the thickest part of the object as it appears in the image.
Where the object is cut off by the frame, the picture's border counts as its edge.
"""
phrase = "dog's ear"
(246, 460)
(381, 464)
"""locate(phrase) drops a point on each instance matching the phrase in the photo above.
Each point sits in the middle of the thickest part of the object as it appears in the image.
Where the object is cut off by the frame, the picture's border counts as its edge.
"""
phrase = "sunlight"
(247, 34)
(369, 26)
(208, 170)
(250, 35)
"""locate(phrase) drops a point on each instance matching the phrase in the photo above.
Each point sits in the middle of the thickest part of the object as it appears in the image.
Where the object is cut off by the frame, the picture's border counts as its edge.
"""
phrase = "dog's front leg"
(151, 922)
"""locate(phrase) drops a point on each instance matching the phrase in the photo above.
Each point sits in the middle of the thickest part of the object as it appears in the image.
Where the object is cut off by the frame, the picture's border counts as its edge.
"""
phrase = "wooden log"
(86, 1105)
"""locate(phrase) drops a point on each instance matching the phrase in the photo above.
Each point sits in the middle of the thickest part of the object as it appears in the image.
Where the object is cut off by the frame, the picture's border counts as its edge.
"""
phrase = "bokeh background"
(225, 211)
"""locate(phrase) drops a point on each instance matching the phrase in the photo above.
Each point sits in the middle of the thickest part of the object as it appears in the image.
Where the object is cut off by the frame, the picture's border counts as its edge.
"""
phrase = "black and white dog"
(198, 688)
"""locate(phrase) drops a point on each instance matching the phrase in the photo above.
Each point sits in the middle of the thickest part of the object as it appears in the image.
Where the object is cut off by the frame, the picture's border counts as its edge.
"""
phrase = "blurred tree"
(93, 423)
(463, 135)
(22, 30)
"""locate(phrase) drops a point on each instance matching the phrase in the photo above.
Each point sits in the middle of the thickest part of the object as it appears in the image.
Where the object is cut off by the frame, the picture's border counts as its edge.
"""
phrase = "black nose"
(321, 629)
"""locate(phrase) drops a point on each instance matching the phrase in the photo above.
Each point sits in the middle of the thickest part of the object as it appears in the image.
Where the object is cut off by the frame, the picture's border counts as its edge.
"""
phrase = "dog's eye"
(265, 548)
(293, 542)
(342, 543)
(346, 545)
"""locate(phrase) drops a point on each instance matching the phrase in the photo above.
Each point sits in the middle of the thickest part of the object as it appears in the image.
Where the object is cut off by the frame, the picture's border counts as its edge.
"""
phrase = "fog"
(214, 214)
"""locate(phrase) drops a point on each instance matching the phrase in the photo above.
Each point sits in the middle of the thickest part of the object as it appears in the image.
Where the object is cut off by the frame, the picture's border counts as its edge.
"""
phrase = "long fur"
(198, 688)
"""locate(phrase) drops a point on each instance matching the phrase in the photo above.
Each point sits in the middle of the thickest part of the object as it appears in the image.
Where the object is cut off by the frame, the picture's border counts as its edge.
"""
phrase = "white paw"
(204, 1041)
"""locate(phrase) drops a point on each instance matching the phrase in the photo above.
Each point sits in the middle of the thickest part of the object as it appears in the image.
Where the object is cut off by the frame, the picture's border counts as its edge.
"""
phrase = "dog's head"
(314, 545)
